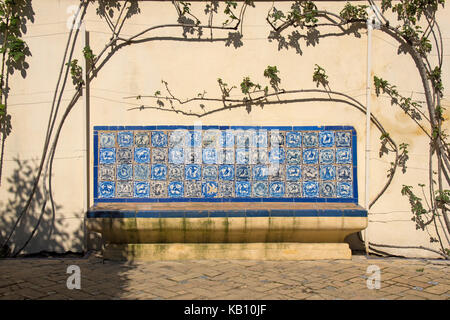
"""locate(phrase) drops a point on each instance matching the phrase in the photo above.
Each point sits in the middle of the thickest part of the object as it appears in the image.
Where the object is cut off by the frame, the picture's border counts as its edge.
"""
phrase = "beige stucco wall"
(191, 67)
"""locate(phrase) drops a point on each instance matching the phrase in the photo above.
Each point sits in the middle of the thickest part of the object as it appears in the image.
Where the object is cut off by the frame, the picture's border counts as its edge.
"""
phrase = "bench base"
(229, 251)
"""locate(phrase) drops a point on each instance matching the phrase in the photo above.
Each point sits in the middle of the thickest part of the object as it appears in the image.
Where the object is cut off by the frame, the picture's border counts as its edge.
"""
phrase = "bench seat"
(275, 231)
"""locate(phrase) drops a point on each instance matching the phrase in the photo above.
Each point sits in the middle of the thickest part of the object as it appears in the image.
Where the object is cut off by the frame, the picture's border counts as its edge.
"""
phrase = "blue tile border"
(92, 214)
(97, 199)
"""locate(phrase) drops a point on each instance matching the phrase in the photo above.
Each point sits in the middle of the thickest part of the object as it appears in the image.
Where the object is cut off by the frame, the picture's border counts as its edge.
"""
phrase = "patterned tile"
(159, 139)
(226, 172)
(107, 155)
(125, 138)
(328, 189)
(343, 138)
(106, 189)
(141, 189)
(343, 155)
(124, 155)
(193, 189)
(124, 171)
(107, 140)
(260, 189)
(310, 189)
(176, 189)
(276, 189)
(232, 163)
(142, 139)
(243, 189)
(176, 172)
(210, 172)
(107, 172)
(193, 172)
(159, 155)
(141, 172)
(159, 171)
(124, 189)
(210, 189)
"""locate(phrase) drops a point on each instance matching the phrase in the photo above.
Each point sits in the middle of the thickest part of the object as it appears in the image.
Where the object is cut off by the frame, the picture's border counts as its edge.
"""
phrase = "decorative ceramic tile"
(242, 156)
(326, 139)
(276, 189)
(107, 172)
(293, 156)
(176, 172)
(310, 189)
(194, 139)
(124, 155)
(327, 172)
(226, 189)
(141, 172)
(124, 189)
(243, 189)
(158, 189)
(159, 155)
(260, 189)
(106, 189)
(193, 172)
(344, 173)
(310, 139)
(189, 163)
(276, 155)
(293, 173)
(328, 189)
(210, 189)
(225, 156)
(107, 140)
(226, 172)
(310, 173)
(259, 139)
(107, 155)
(124, 171)
(326, 156)
(211, 139)
(226, 139)
(193, 189)
(276, 172)
(176, 189)
(210, 172)
(344, 190)
(159, 172)
(142, 155)
(260, 172)
(176, 155)
(142, 139)
(244, 138)
(178, 138)
(310, 156)
(159, 139)
(293, 189)
(293, 139)
(343, 155)
(343, 138)
(193, 155)
(141, 189)
(125, 138)
(242, 172)
(210, 156)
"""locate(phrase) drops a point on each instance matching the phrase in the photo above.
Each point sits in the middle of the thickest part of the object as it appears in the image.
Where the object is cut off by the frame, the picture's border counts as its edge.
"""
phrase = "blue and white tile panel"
(225, 163)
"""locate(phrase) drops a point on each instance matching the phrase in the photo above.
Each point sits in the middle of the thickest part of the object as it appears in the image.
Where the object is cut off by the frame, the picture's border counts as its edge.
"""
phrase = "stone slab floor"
(46, 278)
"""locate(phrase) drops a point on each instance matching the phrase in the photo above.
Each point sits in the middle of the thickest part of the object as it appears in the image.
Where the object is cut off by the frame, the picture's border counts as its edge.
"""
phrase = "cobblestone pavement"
(33, 278)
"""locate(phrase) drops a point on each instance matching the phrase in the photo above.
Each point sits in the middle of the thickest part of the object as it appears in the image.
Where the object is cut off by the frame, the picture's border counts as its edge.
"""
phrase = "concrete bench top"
(214, 209)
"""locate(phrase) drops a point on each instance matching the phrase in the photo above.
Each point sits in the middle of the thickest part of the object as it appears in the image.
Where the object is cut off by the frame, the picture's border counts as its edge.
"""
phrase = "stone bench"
(220, 192)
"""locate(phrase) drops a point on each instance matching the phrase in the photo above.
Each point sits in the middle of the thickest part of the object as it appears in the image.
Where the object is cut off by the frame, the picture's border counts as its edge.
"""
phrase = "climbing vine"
(416, 30)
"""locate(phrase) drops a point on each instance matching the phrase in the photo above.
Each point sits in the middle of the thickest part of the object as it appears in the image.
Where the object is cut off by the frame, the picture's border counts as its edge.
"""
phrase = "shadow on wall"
(52, 233)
